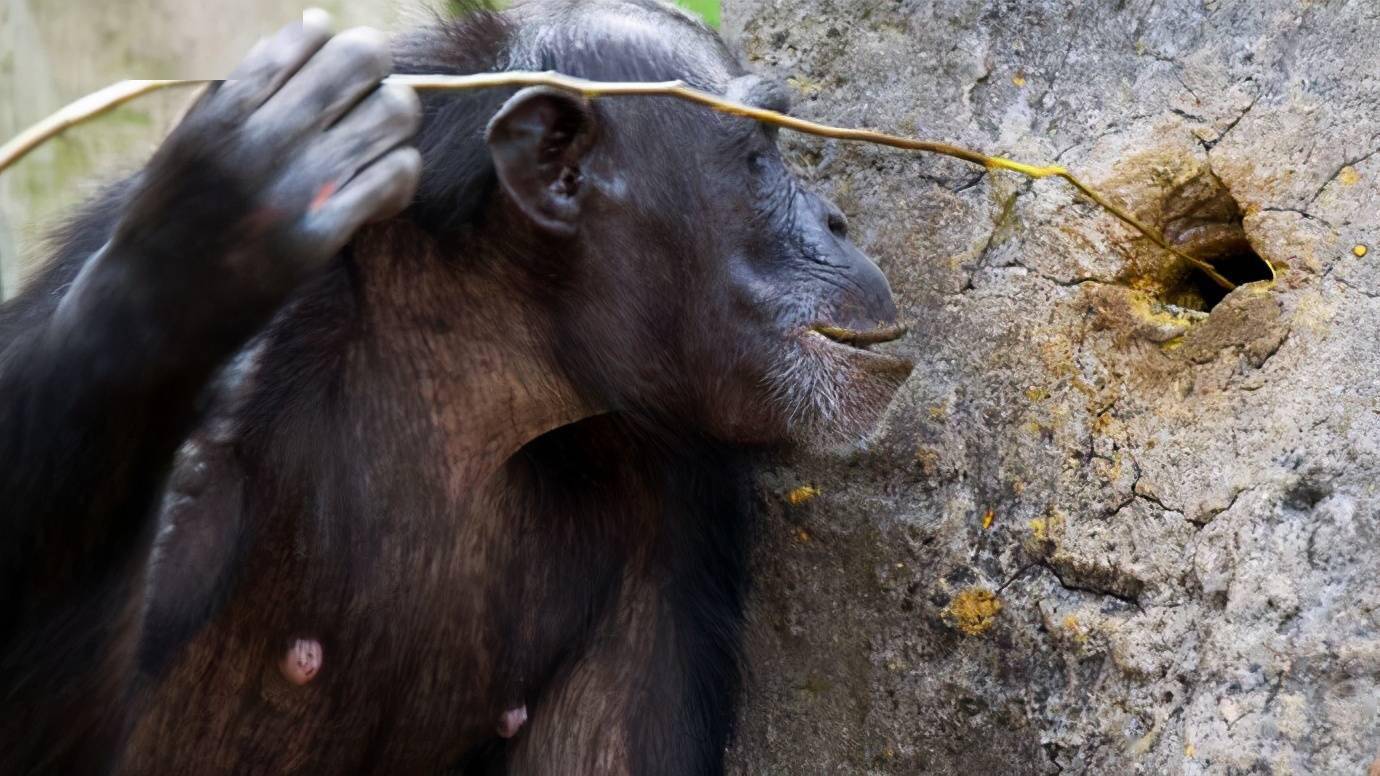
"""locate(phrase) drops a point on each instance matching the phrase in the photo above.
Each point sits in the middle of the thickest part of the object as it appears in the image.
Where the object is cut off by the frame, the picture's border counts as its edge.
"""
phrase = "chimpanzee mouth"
(860, 342)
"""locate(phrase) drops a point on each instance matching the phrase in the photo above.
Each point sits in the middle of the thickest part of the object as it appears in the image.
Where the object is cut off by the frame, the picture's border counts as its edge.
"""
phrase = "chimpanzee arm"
(101, 368)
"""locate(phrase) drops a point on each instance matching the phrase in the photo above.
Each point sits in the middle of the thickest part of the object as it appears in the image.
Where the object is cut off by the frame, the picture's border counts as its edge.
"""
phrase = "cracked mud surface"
(1102, 531)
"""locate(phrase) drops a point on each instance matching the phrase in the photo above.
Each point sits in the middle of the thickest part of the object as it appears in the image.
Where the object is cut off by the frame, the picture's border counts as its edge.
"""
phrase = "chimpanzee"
(359, 433)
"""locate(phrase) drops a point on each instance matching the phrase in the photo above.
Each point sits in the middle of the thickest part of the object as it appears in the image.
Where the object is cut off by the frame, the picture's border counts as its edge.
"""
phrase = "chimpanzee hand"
(273, 170)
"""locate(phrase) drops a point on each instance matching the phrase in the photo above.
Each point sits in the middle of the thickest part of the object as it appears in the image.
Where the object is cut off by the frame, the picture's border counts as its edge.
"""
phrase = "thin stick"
(112, 97)
(83, 110)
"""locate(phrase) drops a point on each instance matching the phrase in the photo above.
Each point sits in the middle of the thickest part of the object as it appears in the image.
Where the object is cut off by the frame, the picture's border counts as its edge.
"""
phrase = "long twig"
(83, 110)
(113, 96)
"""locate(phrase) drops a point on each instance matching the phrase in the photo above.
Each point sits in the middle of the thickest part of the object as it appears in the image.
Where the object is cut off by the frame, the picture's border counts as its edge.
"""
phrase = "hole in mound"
(1204, 221)
(1196, 291)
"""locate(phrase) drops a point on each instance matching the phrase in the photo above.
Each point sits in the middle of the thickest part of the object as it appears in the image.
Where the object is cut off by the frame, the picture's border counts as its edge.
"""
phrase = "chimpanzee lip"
(858, 344)
(859, 339)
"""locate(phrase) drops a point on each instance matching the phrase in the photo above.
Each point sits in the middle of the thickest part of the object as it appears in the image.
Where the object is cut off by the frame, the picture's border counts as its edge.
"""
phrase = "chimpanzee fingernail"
(315, 18)
(323, 195)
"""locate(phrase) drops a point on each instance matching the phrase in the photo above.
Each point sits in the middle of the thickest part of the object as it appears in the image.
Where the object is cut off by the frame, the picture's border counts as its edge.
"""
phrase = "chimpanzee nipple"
(511, 721)
(302, 662)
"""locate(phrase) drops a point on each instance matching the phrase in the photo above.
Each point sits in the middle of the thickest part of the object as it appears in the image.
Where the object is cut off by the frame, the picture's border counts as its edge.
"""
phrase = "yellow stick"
(84, 109)
(114, 96)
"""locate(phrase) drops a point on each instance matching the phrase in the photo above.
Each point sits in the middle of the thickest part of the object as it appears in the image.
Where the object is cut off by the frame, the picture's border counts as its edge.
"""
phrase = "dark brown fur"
(484, 467)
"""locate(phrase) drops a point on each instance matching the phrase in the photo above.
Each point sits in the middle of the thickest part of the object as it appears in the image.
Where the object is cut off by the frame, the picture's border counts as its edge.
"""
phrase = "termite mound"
(1200, 217)
(1163, 313)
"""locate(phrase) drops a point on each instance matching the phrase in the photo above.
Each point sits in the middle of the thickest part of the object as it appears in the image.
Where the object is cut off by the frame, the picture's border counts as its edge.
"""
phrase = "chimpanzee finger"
(380, 190)
(380, 122)
(274, 60)
(330, 83)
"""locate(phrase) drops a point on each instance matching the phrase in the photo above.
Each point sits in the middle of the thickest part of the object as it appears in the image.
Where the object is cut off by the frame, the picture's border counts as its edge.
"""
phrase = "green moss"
(707, 9)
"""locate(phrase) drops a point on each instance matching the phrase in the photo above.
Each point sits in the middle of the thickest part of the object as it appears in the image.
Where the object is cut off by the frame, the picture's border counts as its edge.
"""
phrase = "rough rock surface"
(1105, 529)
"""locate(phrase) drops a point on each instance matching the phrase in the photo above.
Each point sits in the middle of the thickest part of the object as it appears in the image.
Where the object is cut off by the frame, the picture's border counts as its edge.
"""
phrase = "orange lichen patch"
(1108, 470)
(1190, 751)
(987, 518)
(1019, 78)
(801, 494)
(973, 612)
(802, 535)
(1145, 284)
(1044, 528)
(1034, 393)
(1360, 250)
(1075, 629)
(1348, 176)
(938, 412)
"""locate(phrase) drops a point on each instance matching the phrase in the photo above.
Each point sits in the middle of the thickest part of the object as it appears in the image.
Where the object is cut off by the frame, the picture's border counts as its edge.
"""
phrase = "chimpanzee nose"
(869, 305)
(863, 300)
(836, 220)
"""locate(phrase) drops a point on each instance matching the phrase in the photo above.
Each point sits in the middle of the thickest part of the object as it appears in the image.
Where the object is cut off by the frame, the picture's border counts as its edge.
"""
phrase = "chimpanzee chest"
(430, 624)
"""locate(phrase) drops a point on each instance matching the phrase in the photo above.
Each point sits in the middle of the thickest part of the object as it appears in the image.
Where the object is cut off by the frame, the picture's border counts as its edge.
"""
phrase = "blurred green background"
(709, 9)
(54, 51)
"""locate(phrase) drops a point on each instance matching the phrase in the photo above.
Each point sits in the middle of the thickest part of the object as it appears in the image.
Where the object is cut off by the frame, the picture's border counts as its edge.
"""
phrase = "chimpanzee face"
(804, 304)
(707, 284)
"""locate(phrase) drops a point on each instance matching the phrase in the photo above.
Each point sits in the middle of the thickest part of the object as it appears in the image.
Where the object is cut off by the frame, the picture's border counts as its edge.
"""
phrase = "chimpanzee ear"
(538, 140)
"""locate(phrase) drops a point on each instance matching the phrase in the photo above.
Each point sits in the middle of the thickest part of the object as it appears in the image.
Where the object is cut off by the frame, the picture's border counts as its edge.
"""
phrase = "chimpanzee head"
(692, 279)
